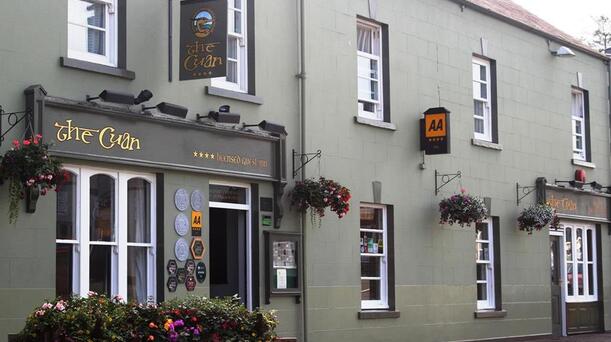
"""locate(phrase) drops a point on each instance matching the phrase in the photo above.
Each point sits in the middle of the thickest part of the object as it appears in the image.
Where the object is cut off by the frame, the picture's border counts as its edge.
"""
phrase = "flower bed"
(99, 318)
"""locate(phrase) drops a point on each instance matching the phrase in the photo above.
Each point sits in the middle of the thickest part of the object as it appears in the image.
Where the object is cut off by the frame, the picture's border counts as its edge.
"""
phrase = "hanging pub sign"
(203, 39)
(435, 131)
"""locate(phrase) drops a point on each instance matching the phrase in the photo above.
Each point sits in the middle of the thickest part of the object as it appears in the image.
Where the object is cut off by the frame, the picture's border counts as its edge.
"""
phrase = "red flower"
(16, 143)
(27, 142)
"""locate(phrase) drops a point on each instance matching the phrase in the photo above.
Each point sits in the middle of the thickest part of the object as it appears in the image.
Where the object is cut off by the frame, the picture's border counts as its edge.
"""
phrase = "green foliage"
(98, 318)
(463, 209)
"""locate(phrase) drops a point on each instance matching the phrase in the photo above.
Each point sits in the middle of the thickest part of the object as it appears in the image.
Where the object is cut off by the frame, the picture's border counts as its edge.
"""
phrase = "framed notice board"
(283, 265)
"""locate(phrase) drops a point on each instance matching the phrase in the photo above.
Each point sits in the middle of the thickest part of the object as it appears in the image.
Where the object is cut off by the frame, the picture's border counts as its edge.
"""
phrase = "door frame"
(561, 257)
(248, 209)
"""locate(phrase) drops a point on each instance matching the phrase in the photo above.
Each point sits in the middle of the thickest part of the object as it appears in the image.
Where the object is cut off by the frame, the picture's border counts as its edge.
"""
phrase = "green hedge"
(98, 318)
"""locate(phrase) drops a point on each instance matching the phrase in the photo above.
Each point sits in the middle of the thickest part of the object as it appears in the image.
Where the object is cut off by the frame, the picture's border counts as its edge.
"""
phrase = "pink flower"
(118, 298)
(16, 143)
(49, 176)
(47, 306)
(26, 142)
(40, 313)
(91, 294)
(60, 306)
(463, 190)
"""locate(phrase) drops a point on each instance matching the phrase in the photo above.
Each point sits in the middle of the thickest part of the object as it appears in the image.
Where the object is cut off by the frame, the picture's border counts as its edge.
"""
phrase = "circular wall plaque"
(181, 224)
(181, 199)
(190, 283)
(181, 249)
(196, 200)
(200, 272)
(190, 266)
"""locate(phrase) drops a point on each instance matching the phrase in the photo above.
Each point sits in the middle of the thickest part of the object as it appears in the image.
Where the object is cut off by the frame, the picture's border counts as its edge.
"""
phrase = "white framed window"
(237, 49)
(106, 234)
(369, 73)
(580, 263)
(484, 260)
(579, 125)
(482, 99)
(92, 31)
(374, 256)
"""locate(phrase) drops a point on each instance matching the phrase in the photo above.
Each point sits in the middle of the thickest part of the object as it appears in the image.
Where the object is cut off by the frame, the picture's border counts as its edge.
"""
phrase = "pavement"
(574, 338)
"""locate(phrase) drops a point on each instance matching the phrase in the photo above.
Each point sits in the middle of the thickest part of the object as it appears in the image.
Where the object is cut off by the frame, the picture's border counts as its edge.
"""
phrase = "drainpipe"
(301, 76)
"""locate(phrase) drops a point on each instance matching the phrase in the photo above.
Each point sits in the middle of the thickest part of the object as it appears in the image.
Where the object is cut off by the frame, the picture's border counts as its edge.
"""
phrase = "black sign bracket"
(13, 119)
(526, 190)
(445, 179)
(304, 158)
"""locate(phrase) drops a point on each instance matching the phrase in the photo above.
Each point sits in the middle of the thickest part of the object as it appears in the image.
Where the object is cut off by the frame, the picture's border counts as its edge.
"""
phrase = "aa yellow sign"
(435, 131)
(435, 125)
(196, 223)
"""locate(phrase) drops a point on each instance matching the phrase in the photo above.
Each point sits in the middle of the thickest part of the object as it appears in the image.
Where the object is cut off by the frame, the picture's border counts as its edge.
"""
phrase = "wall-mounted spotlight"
(596, 186)
(573, 183)
(144, 96)
(563, 51)
(222, 116)
(170, 109)
(271, 127)
(114, 97)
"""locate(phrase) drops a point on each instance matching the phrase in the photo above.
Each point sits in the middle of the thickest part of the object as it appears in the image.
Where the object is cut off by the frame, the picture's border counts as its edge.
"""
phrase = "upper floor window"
(105, 235)
(482, 99)
(92, 31)
(237, 48)
(578, 115)
(370, 72)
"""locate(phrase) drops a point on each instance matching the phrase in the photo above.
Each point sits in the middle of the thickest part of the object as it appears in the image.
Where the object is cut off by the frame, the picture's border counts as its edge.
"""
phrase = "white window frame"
(376, 43)
(120, 245)
(242, 61)
(576, 119)
(383, 278)
(111, 36)
(487, 135)
(575, 297)
(488, 304)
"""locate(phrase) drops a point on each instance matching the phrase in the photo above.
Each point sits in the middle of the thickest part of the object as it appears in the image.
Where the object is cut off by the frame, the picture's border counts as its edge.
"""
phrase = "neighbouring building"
(186, 192)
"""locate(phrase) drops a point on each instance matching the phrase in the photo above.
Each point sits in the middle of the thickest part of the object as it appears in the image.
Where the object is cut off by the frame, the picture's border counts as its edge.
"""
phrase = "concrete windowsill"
(490, 314)
(97, 68)
(486, 144)
(234, 95)
(583, 163)
(378, 314)
(375, 123)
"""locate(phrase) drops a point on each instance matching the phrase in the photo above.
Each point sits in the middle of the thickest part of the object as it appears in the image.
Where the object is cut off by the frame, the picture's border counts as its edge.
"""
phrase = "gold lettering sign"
(107, 137)
(234, 159)
(562, 204)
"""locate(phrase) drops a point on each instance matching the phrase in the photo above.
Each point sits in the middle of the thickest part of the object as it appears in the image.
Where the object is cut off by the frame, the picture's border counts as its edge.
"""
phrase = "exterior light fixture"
(573, 183)
(144, 96)
(596, 186)
(271, 127)
(170, 109)
(563, 51)
(223, 115)
(114, 97)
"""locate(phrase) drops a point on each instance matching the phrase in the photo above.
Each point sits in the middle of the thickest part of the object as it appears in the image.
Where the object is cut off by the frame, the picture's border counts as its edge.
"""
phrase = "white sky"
(571, 16)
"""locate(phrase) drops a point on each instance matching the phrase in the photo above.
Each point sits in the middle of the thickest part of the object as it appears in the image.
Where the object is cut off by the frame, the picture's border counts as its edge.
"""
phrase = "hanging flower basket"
(462, 209)
(317, 195)
(30, 171)
(536, 217)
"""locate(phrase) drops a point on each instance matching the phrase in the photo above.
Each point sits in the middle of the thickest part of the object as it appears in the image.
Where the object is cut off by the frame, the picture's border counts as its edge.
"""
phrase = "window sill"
(490, 314)
(234, 95)
(97, 68)
(486, 144)
(583, 163)
(378, 314)
(375, 123)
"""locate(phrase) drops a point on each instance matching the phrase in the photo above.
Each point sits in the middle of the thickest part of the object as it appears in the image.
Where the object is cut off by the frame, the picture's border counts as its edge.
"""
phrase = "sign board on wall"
(569, 202)
(435, 131)
(203, 39)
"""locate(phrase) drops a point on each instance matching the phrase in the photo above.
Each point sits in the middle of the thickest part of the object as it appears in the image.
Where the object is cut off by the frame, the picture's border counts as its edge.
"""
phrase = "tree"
(602, 36)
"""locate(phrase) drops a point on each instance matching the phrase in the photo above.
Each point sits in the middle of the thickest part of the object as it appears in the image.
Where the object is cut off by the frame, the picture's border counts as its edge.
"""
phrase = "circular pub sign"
(198, 249)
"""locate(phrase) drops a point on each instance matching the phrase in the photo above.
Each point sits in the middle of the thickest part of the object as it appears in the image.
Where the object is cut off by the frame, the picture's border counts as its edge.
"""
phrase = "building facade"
(185, 183)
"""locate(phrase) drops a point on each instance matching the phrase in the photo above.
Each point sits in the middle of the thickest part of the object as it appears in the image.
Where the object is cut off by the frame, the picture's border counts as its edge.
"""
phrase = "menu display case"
(283, 265)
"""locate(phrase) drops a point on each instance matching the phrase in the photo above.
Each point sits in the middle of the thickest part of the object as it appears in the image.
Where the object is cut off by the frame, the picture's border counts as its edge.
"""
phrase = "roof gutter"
(523, 26)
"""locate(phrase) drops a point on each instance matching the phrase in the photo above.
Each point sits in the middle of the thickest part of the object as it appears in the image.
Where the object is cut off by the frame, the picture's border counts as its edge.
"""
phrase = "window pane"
(367, 106)
(481, 270)
(137, 274)
(65, 210)
(370, 290)
(372, 218)
(475, 71)
(482, 251)
(481, 231)
(580, 279)
(367, 89)
(64, 258)
(102, 208)
(370, 266)
(237, 4)
(577, 126)
(138, 211)
(478, 108)
(484, 91)
(96, 15)
(578, 143)
(364, 39)
(87, 13)
(568, 247)
(372, 243)
(591, 279)
(569, 279)
(86, 40)
(232, 47)
(227, 194)
(237, 19)
(100, 269)
(578, 244)
(482, 73)
(96, 41)
(232, 72)
(482, 291)
(590, 246)
(476, 90)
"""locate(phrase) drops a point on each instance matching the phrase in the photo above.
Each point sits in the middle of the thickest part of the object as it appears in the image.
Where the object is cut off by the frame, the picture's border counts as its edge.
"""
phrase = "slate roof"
(519, 16)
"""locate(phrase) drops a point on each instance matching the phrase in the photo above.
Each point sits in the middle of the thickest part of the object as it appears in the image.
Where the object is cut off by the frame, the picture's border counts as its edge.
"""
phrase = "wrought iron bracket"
(13, 119)
(526, 190)
(304, 159)
(445, 179)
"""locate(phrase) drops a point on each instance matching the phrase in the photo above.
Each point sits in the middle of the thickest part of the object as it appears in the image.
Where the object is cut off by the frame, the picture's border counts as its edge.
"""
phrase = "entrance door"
(556, 286)
(228, 253)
